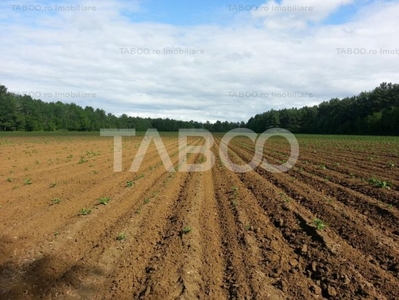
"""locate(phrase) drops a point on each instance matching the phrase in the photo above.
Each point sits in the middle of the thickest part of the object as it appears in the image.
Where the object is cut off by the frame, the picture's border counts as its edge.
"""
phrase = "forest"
(22, 113)
(369, 113)
(373, 113)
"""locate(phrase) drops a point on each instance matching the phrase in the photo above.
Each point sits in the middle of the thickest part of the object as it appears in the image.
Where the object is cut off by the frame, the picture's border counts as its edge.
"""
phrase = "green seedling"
(104, 200)
(327, 199)
(121, 236)
(284, 197)
(129, 183)
(28, 181)
(320, 225)
(82, 160)
(378, 183)
(55, 200)
(84, 211)
(186, 229)
(52, 185)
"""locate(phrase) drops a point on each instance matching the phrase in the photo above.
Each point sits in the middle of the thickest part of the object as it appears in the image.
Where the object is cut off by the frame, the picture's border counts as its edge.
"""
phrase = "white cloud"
(71, 52)
(296, 13)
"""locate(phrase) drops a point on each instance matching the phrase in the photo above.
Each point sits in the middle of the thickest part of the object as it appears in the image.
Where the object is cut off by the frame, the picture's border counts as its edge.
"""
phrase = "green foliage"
(82, 160)
(186, 229)
(375, 112)
(129, 183)
(104, 200)
(55, 200)
(285, 198)
(378, 183)
(372, 113)
(121, 236)
(23, 113)
(235, 194)
(84, 211)
(320, 225)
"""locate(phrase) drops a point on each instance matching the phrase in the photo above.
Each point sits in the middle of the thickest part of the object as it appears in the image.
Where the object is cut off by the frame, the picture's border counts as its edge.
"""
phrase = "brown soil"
(210, 235)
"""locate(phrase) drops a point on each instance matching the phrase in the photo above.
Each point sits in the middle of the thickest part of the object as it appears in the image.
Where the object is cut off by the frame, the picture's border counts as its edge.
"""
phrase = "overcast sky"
(245, 57)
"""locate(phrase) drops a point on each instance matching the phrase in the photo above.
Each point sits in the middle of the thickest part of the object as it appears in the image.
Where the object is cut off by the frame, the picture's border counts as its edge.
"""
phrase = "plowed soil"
(326, 229)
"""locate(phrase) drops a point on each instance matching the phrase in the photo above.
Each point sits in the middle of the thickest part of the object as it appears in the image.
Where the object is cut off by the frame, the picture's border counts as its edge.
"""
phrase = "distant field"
(71, 228)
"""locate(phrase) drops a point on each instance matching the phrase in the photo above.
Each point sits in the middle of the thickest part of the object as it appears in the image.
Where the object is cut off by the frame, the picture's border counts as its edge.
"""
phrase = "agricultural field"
(72, 228)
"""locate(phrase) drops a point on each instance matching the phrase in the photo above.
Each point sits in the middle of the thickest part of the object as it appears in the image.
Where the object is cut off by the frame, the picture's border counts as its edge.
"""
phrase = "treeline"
(371, 113)
(375, 112)
(22, 113)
